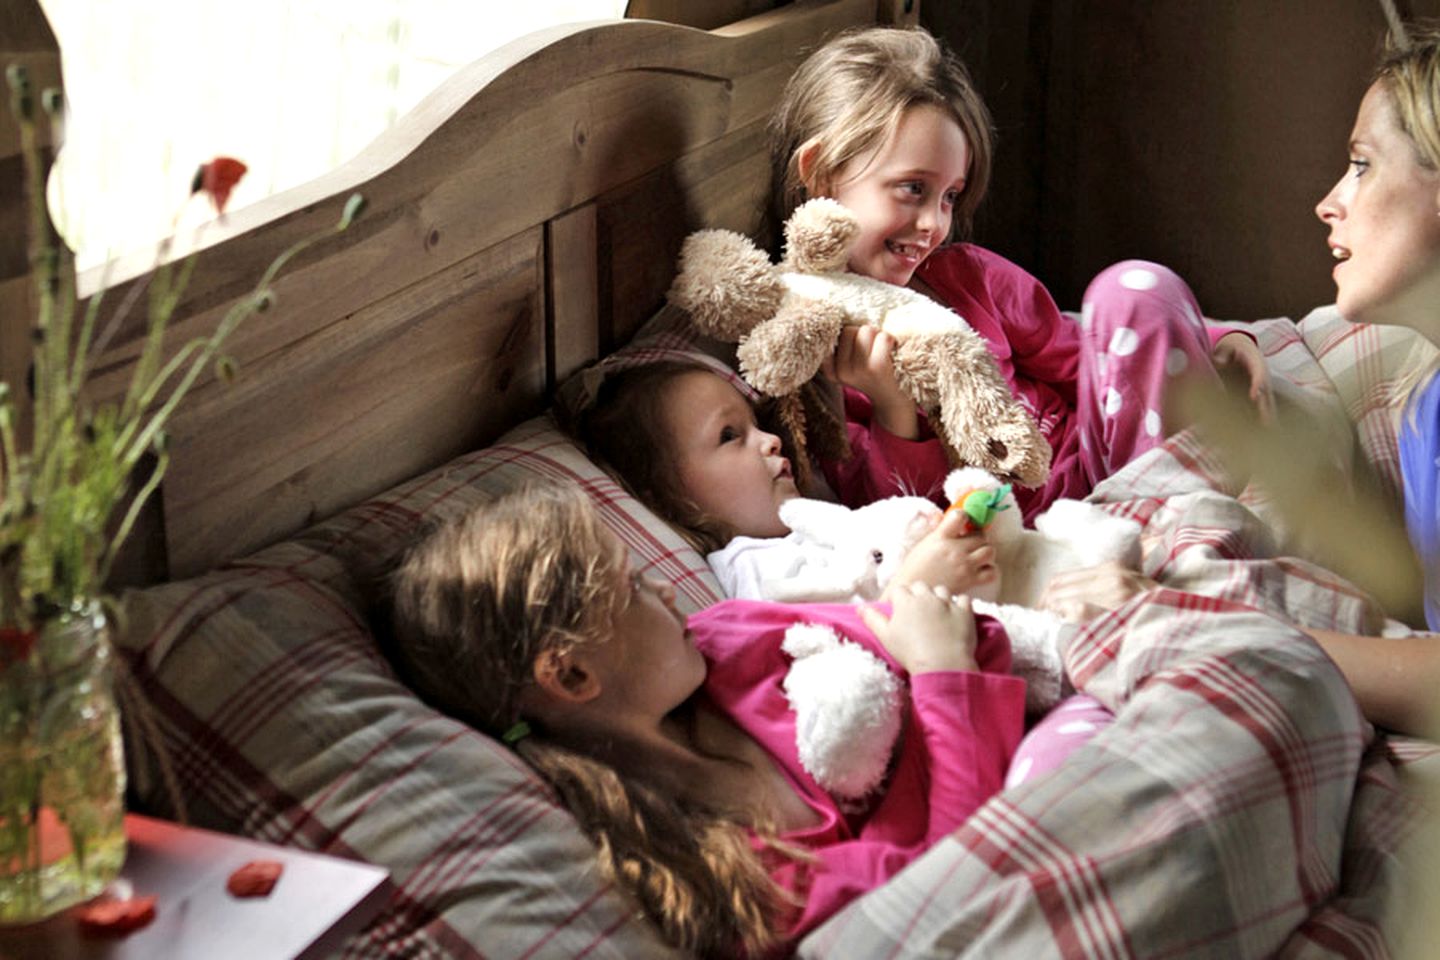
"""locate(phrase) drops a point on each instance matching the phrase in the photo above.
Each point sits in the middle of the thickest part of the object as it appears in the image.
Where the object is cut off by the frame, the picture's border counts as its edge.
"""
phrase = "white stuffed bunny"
(833, 554)
(1070, 535)
(847, 710)
(845, 698)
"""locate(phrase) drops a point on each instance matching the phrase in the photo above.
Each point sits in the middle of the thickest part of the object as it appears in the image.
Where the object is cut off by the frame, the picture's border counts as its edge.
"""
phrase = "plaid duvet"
(1238, 807)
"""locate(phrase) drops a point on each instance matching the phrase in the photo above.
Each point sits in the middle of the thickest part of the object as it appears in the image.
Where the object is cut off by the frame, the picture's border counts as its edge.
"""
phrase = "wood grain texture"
(572, 266)
(520, 220)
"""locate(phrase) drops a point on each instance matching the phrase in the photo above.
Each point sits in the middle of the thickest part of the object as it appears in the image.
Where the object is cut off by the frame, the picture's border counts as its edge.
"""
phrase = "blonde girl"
(669, 739)
(888, 123)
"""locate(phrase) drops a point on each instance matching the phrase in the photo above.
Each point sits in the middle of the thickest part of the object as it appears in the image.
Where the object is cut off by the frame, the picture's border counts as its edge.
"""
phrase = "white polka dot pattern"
(1124, 342)
(1138, 278)
(1176, 362)
(1152, 423)
(1113, 402)
(1075, 727)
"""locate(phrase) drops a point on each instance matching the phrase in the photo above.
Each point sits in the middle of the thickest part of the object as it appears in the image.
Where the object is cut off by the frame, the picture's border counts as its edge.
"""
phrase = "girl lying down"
(672, 742)
(687, 442)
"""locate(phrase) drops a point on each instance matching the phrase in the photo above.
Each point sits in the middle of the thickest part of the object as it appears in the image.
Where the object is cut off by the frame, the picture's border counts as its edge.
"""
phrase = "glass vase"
(62, 771)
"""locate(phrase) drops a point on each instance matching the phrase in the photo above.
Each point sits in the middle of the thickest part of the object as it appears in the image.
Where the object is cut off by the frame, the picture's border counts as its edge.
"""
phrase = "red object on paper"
(115, 918)
(217, 178)
(255, 879)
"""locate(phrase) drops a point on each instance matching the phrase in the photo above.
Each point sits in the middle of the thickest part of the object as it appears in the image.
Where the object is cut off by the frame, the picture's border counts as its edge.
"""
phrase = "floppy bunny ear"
(813, 518)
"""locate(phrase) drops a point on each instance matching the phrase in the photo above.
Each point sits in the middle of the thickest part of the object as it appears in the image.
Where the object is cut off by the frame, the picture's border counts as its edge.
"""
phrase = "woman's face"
(1384, 219)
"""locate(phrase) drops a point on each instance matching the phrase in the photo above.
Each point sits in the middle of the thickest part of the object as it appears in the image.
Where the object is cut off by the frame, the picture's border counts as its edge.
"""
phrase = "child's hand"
(864, 359)
(948, 557)
(1240, 351)
(927, 630)
(1082, 595)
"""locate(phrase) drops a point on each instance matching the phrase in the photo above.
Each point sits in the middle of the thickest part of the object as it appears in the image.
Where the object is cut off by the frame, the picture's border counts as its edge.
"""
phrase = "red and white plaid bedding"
(1238, 806)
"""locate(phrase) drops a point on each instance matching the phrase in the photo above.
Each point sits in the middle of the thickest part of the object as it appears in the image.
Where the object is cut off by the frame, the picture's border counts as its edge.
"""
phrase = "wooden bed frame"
(521, 221)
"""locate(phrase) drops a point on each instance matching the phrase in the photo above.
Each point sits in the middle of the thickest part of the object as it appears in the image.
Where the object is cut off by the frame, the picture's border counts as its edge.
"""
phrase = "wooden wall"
(1199, 133)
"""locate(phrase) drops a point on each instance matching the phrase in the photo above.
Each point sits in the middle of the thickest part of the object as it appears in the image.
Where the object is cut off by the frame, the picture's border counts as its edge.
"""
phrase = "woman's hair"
(850, 96)
(1410, 73)
(625, 431)
(475, 603)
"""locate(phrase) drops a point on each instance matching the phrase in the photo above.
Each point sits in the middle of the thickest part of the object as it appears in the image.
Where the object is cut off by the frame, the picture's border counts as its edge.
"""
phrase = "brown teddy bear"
(786, 319)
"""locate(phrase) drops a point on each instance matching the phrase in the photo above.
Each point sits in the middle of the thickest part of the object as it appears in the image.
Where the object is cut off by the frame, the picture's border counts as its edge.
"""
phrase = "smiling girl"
(889, 124)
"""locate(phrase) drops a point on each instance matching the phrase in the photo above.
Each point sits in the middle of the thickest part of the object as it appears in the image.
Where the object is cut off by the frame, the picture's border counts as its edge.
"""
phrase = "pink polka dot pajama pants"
(1141, 331)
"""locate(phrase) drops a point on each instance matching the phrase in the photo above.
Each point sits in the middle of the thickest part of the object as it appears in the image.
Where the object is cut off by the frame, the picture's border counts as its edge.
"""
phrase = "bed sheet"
(1240, 806)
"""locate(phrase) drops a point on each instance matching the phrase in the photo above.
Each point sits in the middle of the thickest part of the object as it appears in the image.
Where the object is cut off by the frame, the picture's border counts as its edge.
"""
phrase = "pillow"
(282, 721)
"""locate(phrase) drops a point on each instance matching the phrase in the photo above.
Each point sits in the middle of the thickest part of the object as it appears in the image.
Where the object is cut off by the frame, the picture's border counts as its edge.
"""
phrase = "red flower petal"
(255, 879)
(217, 178)
(115, 918)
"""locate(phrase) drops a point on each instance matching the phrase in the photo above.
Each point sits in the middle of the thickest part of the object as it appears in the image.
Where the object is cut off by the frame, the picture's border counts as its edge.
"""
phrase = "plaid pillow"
(282, 721)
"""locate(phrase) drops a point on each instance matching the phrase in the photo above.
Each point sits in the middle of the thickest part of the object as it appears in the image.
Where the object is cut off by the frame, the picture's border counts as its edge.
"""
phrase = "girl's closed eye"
(1359, 165)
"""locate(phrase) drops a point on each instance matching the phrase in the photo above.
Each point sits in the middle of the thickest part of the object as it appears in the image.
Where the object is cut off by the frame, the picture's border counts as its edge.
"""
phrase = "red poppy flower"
(15, 644)
(217, 178)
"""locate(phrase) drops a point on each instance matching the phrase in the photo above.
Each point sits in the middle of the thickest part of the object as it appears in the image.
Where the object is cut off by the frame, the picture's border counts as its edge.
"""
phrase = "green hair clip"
(518, 731)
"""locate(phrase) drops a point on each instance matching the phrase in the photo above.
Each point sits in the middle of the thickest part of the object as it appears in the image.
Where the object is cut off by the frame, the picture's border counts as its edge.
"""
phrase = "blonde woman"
(1384, 219)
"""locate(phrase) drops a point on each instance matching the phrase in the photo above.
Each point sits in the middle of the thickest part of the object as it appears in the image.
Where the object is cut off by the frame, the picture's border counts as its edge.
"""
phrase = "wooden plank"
(440, 368)
(705, 16)
(594, 136)
(643, 224)
(571, 262)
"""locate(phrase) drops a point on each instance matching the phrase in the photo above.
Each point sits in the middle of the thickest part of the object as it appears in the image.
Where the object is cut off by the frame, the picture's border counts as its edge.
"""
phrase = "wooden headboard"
(521, 221)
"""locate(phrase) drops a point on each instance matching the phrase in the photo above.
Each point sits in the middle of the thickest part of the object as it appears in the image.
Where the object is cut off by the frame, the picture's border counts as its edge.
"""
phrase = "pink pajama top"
(1037, 349)
(961, 729)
